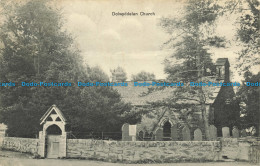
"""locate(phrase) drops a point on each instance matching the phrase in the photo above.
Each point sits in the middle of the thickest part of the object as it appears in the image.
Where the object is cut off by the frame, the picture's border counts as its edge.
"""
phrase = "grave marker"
(225, 132)
(186, 134)
(174, 133)
(159, 134)
(235, 132)
(197, 135)
(212, 133)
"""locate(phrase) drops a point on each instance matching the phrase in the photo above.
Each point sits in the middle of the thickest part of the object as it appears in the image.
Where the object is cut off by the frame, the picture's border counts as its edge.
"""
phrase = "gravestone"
(235, 132)
(186, 134)
(141, 135)
(125, 132)
(159, 134)
(243, 133)
(174, 133)
(212, 133)
(225, 132)
(197, 135)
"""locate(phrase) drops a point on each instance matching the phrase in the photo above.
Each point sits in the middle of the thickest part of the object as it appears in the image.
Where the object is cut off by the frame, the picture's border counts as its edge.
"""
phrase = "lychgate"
(52, 139)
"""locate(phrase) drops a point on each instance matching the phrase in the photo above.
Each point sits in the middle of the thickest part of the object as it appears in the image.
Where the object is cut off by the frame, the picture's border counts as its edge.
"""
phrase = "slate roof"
(135, 95)
(139, 96)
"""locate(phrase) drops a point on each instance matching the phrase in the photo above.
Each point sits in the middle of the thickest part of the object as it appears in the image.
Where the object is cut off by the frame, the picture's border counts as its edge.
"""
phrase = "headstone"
(174, 133)
(125, 132)
(243, 133)
(225, 132)
(197, 135)
(186, 134)
(212, 133)
(235, 132)
(146, 135)
(132, 130)
(141, 135)
(159, 134)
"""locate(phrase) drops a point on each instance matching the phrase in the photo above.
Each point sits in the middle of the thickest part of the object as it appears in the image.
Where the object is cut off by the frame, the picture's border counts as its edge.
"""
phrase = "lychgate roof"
(55, 109)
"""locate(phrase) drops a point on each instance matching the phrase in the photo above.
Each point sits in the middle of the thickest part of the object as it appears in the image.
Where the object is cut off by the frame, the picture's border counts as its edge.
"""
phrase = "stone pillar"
(244, 148)
(63, 145)
(41, 146)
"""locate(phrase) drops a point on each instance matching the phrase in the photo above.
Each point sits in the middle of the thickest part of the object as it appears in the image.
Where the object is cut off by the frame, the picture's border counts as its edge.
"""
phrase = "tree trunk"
(202, 99)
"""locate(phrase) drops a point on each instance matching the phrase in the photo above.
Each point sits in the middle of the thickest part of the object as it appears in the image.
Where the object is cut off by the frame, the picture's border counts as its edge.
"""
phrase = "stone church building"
(180, 114)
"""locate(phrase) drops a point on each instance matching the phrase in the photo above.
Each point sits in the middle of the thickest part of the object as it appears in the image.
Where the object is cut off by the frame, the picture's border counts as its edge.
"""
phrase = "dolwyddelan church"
(179, 124)
(160, 123)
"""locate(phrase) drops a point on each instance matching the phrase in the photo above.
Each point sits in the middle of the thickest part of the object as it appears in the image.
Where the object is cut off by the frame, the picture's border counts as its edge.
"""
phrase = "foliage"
(118, 74)
(247, 30)
(192, 34)
(250, 95)
(143, 76)
(248, 33)
(37, 49)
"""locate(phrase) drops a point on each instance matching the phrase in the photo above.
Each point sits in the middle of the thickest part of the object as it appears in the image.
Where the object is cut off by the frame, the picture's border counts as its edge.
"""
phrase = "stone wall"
(234, 148)
(28, 145)
(163, 151)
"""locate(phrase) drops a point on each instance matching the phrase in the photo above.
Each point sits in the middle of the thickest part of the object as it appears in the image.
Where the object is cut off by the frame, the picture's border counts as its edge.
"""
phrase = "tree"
(143, 76)
(192, 34)
(250, 95)
(118, 74)
(36, 49)
(248, 60)
(248, 34)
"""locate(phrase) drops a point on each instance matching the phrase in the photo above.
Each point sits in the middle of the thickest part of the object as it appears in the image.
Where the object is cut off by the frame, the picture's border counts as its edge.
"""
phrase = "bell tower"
(222, 69)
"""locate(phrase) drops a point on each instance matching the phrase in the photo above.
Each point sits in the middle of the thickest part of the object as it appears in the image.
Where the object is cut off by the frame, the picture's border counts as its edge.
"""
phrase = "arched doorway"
(53, 141)
(167, 131)
(52, 138)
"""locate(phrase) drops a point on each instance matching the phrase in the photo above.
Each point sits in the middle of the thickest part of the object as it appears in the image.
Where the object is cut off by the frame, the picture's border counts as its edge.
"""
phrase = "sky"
(133, 42)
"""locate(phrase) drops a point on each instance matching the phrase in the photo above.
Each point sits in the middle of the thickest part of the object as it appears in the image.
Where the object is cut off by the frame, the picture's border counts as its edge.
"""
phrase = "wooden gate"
(53, 146)
(254, 154)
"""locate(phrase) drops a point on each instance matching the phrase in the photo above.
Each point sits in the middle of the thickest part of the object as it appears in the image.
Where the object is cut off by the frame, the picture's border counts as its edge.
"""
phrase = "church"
(169, 111)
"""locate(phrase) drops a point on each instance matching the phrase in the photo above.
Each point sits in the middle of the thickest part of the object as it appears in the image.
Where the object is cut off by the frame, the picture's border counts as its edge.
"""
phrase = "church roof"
(141, 96)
